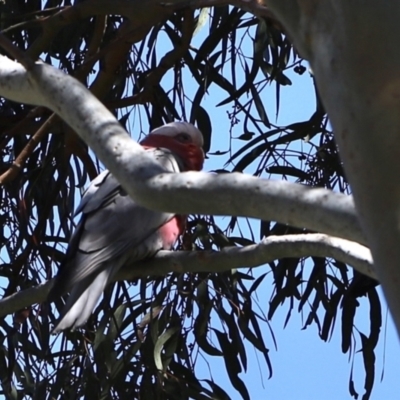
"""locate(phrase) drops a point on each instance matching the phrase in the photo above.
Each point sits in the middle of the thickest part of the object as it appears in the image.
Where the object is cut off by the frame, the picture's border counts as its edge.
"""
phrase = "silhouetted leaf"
(251, 157)
(369, 365)
(234, 336)
(247, 146)
(260, 108)
(218, 392)
(232, 364)
(204, 124)
(291, 171)
(246, 136)
(349, 305)
(330, 315)
(375, 315)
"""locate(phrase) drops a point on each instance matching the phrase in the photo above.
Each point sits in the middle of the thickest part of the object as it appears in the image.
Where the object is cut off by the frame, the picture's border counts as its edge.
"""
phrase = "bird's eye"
(183, 138)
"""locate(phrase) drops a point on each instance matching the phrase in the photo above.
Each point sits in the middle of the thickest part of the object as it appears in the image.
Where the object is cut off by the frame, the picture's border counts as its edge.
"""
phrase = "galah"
(115, 232)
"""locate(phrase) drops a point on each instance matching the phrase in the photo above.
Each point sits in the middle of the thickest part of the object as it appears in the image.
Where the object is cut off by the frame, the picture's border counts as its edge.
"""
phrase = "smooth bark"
(270, 249)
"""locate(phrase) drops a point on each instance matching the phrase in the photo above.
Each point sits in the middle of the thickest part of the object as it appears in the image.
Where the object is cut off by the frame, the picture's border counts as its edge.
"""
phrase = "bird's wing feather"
(112, 226)
(101, 186)
(82, 300)
(114, 231)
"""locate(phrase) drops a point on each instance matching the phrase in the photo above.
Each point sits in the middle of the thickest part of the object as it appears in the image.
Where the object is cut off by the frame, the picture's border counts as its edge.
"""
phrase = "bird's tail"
(82, 301)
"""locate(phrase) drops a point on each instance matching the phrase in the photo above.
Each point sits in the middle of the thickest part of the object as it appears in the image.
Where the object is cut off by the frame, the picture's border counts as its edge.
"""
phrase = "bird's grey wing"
(112, 226)
(82, 300)
(103, 186)
(113, 231)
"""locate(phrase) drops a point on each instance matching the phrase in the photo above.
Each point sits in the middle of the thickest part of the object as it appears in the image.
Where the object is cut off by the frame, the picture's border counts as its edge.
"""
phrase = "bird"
(114, 231)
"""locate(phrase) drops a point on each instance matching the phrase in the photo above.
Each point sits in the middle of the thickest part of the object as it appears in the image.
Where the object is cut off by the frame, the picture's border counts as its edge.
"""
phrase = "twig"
(19, 162)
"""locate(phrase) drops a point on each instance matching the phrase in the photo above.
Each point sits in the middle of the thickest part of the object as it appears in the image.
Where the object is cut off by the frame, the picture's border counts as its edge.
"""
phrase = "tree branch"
(192, 192)
(270, 249)
(19, 162)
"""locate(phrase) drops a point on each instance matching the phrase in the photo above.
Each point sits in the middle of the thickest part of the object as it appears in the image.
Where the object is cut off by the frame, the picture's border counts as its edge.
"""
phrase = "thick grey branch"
(270, 249)
(194, 192)
(243, 195)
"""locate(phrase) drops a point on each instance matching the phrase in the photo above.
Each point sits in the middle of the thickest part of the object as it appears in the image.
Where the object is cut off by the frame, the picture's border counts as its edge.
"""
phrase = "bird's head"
(183, 139)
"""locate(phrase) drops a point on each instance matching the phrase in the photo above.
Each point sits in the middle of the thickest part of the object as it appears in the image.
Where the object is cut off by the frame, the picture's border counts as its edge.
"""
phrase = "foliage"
(143, 341)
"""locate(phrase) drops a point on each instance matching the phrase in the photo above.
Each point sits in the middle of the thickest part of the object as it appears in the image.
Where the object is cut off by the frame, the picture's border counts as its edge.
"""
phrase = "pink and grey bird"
(115, 232)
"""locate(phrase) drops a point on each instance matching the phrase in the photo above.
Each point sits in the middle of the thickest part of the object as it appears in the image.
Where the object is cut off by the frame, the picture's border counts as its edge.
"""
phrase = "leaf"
(256, 283)
(202, 20)
(375, 316)
(260, 107)
(164, 101)
(151, 41)
(188, 387)
(220, 15)
(369, 365)
(352, 390)
(13, 394)
(124, 119)
(232, 364)
(251, 157)
(170, 348)
(200, 115)
(201, 328)
(349, 305)
(246, 136)
(291, 171)
(313, 315)
(248, 334)
(219, 393)
(343, 269)
(223, 83)
(158, 347)
(241, 241)
(314, 276)
(330, 315)
(277, 300)
(259, 336)
(261, 39)
(234, 336)
(116, 321)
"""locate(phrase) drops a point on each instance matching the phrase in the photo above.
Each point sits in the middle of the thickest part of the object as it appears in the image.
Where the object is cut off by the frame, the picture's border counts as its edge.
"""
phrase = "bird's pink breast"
(170, 232)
